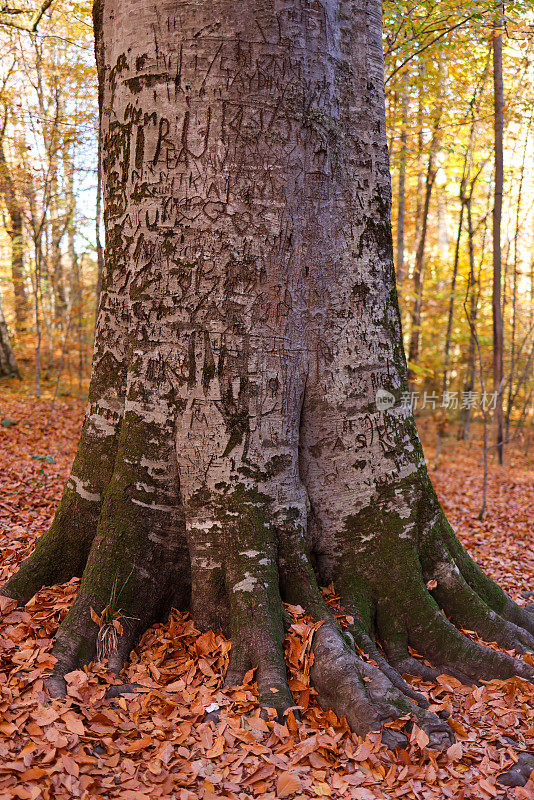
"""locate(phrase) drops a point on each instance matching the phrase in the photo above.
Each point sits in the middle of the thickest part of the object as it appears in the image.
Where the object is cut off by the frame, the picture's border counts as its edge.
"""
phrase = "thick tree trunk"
(237, 450)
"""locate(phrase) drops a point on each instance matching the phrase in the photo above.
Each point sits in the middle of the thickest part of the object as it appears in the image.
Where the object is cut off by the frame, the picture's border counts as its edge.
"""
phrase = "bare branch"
(10, 17)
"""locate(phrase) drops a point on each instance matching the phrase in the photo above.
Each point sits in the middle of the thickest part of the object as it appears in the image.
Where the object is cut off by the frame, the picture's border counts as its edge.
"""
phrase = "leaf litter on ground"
(179, 734)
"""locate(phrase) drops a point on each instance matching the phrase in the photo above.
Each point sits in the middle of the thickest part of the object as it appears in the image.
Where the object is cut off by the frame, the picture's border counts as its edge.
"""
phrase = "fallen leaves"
(180, 736)
(455, 752)
(287, 784)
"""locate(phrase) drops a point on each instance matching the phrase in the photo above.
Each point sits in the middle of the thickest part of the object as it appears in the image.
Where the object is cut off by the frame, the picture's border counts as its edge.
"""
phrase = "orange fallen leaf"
(138, 745)
(455, 751)
(217, 749)
(73, 723)
(488, 787)
(288, 783)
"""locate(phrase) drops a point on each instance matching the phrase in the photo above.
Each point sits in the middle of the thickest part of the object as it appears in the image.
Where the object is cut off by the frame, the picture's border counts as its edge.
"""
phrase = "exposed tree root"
(62, 552)
(520, 772)
(361, 692)
(138, 565)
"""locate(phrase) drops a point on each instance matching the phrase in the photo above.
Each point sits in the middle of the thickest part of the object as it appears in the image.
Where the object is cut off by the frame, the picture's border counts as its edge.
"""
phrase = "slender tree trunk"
(450, 315)
(8, 364)
(511, 395)
(401, 203)
(57, 225)
(469, 385)
(531, 306)
(14, 210)
(498, 333)
(421, 99)
(76, 299)
(466, 171)
(236, 452)
(38, 336)
(418, 277)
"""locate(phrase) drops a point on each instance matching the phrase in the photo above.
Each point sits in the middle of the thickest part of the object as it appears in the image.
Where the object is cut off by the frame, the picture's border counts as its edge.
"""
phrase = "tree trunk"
(401, 208)
(98, 219)
(14, 210)
(450, 315)
(474, 108)
(233, 455)
(465, 413)
(76, 289)
(498, 333)
(513, 350)
(8, 364)
(418, 274)
(58, 226)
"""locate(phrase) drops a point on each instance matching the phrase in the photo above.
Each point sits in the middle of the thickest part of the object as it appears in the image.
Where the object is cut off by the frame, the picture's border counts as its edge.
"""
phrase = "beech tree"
(246, 439)
(8, 363)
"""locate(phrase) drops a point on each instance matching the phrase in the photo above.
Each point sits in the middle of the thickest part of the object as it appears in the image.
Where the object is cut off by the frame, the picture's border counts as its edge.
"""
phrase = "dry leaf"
(95, 617)
(455, 752)
(287, 784)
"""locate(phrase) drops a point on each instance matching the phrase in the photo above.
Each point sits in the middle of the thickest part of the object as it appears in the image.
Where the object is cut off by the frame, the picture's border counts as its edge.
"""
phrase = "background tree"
(8, 364)
(49, 151)
(498, 345)
(14, 229)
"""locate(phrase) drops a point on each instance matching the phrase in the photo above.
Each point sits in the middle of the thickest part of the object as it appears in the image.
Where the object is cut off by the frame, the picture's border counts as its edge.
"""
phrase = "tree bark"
(233, 455)
(450, 315)
(76, 288)
(98, 219)
(8, 364)
(418, 274)
(498, 333)
(15, 232)
(401, 206)
(469, 385)
(57, 226)
(513, 343)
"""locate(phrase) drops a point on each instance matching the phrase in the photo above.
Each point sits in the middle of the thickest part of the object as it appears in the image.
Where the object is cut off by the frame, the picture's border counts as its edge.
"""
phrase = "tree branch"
(9, 17)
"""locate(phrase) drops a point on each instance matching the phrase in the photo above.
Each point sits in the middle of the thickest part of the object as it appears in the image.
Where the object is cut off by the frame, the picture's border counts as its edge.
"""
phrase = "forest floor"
(157, 742)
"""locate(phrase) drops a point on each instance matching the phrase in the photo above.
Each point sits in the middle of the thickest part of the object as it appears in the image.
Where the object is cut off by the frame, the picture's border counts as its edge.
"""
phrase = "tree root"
(245, 562)
(409, 615)
(61, 553)
(367, 695)
(138, 564)
(363, 693)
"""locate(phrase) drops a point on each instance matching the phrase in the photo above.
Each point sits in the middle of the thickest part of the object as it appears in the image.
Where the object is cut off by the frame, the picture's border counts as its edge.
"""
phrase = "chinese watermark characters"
(449, 400)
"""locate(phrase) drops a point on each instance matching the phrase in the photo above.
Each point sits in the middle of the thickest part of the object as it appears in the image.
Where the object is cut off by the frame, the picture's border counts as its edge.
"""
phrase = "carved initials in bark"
(233, 455)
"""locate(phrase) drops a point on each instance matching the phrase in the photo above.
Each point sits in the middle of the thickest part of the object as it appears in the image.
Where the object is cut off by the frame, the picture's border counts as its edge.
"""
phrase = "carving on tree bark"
(233, 454)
